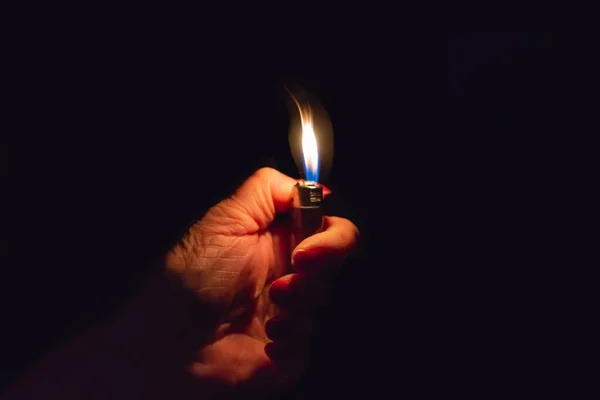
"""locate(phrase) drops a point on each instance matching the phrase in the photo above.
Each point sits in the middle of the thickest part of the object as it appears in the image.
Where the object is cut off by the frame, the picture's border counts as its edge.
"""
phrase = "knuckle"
(264, 173)
(351, 232)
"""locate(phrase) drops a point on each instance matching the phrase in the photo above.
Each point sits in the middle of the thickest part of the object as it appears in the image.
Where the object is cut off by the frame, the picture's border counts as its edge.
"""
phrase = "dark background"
(443, 158)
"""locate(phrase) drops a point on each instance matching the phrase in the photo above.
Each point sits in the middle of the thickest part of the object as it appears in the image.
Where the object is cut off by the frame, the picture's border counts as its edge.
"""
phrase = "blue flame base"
(312, 176)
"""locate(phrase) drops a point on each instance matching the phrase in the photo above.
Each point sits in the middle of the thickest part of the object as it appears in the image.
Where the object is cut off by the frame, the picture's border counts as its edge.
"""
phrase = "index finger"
(327, 249)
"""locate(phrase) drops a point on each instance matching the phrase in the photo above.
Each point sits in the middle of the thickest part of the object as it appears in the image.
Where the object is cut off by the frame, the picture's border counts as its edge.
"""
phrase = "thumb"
(265, 194)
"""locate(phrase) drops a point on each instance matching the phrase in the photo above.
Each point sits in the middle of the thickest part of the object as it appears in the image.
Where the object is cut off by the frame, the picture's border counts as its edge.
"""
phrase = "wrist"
(121, 357)
(159, 332)
(141, 352)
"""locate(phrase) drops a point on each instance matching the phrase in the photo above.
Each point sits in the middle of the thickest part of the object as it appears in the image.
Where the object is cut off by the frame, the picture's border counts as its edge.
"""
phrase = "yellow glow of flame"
(310, 151)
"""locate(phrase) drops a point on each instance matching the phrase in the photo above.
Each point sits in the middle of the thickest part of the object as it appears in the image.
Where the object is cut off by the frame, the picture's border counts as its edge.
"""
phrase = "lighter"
(311, 143)
(307, 214)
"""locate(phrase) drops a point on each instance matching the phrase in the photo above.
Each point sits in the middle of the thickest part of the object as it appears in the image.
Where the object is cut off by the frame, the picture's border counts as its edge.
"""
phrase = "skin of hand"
(237, 263)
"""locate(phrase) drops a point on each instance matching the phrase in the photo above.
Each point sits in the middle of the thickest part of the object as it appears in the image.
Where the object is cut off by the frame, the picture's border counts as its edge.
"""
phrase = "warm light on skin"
(310, 151)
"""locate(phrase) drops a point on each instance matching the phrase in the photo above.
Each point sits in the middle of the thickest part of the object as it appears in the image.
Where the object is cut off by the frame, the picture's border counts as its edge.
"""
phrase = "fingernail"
(280, 284)
(301, 256)
(278, 291)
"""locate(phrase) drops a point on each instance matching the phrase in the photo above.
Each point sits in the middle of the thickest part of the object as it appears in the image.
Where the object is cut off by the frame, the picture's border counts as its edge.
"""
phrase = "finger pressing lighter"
(311, 142)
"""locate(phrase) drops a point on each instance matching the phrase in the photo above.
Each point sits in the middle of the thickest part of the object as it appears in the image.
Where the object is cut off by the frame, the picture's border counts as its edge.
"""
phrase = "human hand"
(238, 263)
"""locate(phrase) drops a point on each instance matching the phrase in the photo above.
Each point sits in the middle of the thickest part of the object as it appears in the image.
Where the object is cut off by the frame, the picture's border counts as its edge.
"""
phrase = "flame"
(310, 151)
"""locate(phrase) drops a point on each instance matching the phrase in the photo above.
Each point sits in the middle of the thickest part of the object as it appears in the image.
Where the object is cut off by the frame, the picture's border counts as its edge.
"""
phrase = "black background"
(443, 158)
